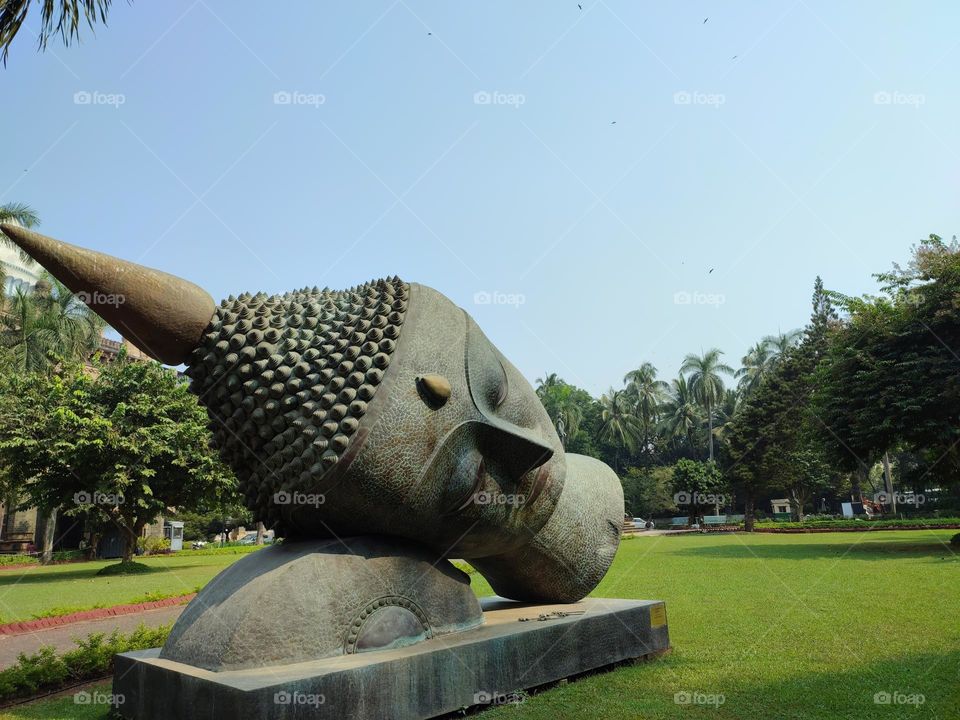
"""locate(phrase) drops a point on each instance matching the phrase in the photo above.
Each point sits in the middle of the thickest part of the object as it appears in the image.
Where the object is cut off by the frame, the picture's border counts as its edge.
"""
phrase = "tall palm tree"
(755, 365)
(681, 414)
(779, 344)
(46, 323)
(647, 395)
(725, 412)
(548, 381)
(705, 382)
(618, 425)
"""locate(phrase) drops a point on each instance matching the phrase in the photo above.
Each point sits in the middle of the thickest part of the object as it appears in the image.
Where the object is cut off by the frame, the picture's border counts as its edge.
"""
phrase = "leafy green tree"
(123, 444)
(697, 485)
(648, 492)
(573, 410)
(776, 425)
(706, 384)
(890, 380)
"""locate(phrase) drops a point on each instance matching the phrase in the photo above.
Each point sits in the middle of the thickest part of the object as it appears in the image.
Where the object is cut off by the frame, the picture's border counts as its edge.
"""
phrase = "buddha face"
(457, 450)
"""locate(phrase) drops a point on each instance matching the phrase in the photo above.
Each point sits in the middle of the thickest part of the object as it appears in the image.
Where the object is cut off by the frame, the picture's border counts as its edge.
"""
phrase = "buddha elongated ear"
(163, 315)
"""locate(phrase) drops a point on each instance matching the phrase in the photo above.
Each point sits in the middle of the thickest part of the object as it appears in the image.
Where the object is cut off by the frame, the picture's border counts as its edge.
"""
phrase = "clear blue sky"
(770, 168)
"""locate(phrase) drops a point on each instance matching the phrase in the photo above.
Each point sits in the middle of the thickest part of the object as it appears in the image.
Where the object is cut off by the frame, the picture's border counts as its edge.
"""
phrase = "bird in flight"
(711, 270)
(580, 6)
(705, 20)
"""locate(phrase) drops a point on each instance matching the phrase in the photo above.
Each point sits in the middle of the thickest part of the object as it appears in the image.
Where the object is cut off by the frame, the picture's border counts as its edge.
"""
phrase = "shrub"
(93, 657)
(125, 568)
(955, 540)
(18, 560)
(229, 549)
(153, 545)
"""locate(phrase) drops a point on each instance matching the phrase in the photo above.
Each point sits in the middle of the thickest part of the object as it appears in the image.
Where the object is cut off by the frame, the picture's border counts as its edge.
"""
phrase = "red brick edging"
(25, 626)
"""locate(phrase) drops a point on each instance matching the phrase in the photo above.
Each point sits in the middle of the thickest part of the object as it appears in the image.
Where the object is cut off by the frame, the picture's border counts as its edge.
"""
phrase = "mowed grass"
(781, 626)
(35, 590)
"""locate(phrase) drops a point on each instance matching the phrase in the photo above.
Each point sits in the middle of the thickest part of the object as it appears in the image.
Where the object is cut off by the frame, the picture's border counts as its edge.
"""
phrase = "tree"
(889, 379)
(18, 214)
(707, 385)
(777, 423)
(754, 366)
(573, 410)
(619, 425)
(47, 324)
(61, 18)
(778, 345)
(681, 414)
(696, 485)
(122, 445)
(647, 394)
(648, 492)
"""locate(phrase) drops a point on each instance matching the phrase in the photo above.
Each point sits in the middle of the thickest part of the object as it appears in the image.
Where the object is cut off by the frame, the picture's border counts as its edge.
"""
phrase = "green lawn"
(34, 590)
(782, 626)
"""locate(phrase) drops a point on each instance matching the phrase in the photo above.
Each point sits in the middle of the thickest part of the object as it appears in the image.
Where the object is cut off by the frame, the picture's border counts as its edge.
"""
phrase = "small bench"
(714, 519)
(678, 521)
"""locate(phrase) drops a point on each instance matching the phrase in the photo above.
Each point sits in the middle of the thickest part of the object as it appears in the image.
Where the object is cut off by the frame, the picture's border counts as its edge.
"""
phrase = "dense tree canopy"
(123, 444)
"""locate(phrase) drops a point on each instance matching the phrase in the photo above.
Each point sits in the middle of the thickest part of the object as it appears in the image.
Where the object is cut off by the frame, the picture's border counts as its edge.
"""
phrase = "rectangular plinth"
(434, 677)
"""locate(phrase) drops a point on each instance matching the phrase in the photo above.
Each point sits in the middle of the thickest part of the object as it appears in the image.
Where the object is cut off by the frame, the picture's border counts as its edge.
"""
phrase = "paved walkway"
(62, 637)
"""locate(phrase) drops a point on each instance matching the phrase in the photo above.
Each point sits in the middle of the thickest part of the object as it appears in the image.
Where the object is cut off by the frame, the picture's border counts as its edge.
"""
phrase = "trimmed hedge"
(227, 550)
(45, 671)
(864, 524)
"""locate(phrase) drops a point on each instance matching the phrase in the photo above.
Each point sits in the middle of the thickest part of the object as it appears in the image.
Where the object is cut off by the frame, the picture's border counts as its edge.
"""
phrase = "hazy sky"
(568, 176)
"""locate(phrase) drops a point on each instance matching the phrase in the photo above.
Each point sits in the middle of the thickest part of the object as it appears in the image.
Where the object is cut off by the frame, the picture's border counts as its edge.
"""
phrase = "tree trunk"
(49, 535)
(710, 431)
(131, 535)
(748, 518)
(129, 544)
(888, 483)
(260, 531)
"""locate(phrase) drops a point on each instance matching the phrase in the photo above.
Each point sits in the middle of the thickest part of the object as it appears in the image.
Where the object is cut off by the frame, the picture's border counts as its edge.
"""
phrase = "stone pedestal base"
(513, 650)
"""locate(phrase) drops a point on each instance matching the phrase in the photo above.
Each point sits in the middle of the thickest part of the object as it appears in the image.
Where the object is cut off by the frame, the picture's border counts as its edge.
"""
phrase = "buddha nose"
(516, 450)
